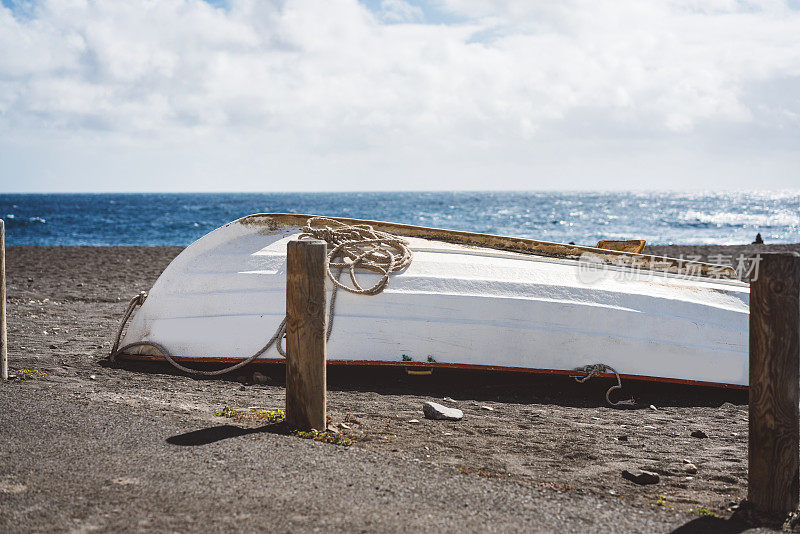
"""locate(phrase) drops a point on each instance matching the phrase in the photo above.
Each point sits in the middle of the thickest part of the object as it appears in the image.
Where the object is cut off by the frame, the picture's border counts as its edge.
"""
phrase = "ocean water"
(581, 217)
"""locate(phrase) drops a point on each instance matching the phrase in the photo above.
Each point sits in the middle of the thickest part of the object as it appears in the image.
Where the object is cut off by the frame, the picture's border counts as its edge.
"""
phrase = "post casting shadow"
(204, 436)
(712, 525)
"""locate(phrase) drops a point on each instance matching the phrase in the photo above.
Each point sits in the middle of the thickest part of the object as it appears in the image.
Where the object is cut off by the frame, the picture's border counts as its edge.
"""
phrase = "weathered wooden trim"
(275, 221)
(636, 246)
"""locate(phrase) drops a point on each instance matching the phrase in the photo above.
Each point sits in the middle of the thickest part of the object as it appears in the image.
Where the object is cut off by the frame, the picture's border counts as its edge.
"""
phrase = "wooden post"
(305, 334)
(774, 365)
(3, 326)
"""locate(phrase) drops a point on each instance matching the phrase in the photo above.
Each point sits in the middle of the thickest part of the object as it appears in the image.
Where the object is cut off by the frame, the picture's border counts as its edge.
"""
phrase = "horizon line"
(358, 191)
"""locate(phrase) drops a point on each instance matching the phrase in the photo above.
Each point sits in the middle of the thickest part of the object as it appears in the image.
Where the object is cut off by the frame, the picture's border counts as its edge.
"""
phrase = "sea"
(157, 219)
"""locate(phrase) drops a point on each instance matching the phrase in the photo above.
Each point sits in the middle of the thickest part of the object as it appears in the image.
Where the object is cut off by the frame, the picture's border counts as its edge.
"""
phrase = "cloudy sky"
(256, 95)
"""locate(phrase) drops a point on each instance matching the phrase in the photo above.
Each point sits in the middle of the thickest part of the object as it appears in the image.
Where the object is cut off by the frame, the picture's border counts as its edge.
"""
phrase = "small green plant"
(324, 437)
(406, 358)
(253, 414)
(28, 374)
(430, 359)
(279, 416)
(704, 512)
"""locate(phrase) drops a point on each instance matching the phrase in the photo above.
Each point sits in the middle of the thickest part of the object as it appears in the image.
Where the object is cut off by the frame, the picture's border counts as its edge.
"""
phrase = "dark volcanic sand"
(92, 446)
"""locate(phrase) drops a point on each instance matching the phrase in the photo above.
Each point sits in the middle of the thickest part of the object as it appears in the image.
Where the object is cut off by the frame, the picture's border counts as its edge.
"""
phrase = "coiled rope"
(357, 246)
(592, 370)
(350, 247)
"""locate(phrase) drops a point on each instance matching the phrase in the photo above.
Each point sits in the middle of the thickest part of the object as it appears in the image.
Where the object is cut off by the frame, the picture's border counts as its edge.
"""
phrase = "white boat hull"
(223, 297)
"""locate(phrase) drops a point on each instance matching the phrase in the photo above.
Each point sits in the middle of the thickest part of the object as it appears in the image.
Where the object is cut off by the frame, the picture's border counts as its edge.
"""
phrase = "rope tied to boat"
(350, 247)
(138, 300)
(353, 246)
(597, 368)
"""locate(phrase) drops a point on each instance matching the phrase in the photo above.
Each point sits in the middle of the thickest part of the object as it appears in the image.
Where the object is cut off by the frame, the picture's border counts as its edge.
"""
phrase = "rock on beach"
(433, 410)
(690, 468)
(637, 476)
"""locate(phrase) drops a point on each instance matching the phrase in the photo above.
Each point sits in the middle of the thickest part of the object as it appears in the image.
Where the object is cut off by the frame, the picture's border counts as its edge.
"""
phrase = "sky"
(340, 95)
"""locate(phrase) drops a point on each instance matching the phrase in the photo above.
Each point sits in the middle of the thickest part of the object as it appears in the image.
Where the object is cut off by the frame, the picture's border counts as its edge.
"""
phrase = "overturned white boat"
(466, 300)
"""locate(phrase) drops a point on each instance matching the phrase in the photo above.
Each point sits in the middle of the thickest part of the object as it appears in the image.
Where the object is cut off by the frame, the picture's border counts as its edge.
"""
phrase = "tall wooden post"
(3, 326)
(774, 365)
(305, 334)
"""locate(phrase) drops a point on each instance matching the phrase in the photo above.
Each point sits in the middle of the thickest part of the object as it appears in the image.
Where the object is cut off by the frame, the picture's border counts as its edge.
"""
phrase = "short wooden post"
(774, 439)
(305, 334)
(3, 327)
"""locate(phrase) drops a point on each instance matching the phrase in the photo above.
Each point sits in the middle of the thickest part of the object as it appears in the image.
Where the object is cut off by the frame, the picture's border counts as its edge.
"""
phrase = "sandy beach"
(88, 445)
(129, 130)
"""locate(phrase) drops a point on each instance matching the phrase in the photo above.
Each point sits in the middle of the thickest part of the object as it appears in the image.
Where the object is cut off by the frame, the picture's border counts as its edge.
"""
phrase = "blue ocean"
(581, 217)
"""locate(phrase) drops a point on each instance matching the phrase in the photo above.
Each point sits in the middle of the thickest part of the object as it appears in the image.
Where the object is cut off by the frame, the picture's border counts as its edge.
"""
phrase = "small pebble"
(413, 421)
(699, 434)
(345, 426)
(489, 408)
(623, 438)
(653, 408)
(93, 377)
(690, 468)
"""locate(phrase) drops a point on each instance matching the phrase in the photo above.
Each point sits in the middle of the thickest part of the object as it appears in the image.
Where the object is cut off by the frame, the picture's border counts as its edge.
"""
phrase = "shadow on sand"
(712, 525)
(212, 434)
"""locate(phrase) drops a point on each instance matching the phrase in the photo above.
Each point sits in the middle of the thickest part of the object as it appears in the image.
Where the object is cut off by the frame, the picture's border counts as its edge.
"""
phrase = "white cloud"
(513, 89)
